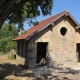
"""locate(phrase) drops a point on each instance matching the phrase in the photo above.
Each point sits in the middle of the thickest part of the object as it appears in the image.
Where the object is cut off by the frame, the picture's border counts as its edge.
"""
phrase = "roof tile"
(37, 27)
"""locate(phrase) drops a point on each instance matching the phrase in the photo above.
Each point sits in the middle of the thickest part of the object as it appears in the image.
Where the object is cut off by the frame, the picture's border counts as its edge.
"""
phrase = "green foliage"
(29, 11)
(12, 56)
(3, 42)
(7, 33)
(22, 32)
(2, 53)
(10, 45)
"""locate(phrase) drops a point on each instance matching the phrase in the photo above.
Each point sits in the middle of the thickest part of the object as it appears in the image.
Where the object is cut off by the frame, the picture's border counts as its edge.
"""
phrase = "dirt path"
(10, 70)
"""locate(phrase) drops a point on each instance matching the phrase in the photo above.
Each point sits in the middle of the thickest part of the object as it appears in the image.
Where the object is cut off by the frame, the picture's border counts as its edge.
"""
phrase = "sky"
(73, 6)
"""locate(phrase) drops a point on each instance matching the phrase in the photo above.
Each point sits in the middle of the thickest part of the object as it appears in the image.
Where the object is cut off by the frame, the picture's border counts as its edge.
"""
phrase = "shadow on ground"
(7, 69)
(55, 73)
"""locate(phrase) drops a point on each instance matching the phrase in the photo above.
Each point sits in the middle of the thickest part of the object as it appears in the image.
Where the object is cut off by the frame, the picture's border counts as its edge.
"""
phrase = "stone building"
(56, 39)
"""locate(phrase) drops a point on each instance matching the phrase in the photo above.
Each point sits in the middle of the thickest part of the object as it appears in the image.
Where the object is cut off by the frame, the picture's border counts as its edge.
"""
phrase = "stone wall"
(31, 54)
(61, 49)
(20, 60)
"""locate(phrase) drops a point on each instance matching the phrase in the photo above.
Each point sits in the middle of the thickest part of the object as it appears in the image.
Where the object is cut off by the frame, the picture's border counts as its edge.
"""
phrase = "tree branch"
(7, 6)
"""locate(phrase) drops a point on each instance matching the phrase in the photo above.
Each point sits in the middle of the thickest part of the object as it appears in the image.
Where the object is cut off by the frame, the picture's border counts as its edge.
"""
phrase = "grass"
(13, 56)
(1, 53)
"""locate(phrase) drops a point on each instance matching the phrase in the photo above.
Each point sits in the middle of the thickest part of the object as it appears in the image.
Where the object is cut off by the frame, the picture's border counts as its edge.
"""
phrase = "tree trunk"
(7, 6)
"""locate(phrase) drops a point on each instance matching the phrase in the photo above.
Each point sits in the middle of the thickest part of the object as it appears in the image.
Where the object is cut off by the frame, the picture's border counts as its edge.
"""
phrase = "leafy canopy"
(18, 11)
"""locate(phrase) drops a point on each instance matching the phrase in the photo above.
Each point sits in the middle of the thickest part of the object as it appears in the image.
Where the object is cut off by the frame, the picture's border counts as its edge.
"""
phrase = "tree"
(17, 11)
(7, 33)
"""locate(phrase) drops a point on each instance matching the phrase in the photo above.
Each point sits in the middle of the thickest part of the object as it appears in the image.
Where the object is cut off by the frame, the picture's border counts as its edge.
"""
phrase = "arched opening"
(63, 31)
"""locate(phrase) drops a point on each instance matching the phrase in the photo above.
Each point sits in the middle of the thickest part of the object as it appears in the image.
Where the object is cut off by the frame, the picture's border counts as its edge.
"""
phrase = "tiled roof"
(40, 25)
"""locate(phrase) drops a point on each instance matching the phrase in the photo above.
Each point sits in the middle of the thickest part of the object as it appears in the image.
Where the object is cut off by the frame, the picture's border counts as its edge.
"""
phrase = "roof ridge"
(48, 18)
(42, 24)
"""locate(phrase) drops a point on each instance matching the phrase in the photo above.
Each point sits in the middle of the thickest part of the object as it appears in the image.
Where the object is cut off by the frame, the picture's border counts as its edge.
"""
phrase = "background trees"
(17, 12)
(7, 33)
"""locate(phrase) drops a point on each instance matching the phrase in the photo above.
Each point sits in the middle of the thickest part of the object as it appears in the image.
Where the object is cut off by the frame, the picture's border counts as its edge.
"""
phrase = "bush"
(1, 53)
(13, 56)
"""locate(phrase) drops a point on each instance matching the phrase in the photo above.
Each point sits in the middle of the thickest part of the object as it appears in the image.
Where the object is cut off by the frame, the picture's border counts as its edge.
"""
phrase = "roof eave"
(42, 28)
(74, 20)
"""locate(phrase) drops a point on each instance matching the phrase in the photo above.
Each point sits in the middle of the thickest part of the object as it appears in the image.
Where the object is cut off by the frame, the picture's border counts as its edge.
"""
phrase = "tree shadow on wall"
(7, 69)
(49, 60)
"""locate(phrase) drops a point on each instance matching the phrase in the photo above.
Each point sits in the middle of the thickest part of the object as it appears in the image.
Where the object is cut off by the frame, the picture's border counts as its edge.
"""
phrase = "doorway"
(41, 53)
(78, 51)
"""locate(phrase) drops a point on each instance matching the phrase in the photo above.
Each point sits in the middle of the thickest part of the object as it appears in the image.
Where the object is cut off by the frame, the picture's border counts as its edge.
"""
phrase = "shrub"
(13, 56)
